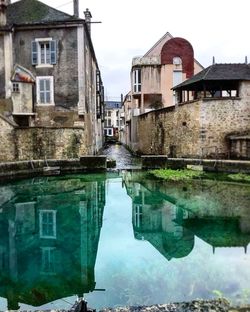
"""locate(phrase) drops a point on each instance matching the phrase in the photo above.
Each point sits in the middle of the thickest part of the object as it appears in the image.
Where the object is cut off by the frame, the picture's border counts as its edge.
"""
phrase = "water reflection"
(49, 233)
(169, 216)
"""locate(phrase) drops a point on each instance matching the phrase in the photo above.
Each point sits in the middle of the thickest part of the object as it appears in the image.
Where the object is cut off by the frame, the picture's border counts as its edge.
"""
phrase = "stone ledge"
(213, 165)
(31, 168)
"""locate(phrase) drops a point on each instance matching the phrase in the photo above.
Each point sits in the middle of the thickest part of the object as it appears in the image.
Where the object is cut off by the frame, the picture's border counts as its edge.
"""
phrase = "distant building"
(49, 75)
(169, 62)
(114, 120)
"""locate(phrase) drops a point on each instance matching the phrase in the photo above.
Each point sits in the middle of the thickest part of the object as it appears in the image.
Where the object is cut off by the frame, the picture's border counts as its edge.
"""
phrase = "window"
(43, 51)
(45, 90)
(138, 215)
(47, 223)
(177, 60)
(177, 77)
(137, 80)
(48, 260)
(15, 87)
(110, 132)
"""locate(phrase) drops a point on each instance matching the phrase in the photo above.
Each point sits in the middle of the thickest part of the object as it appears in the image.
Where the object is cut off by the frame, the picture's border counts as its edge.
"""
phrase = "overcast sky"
(130, 28)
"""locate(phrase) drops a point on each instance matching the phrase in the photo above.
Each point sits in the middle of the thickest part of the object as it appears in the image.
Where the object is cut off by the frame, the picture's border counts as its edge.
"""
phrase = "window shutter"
(53, 51)
(34, 53)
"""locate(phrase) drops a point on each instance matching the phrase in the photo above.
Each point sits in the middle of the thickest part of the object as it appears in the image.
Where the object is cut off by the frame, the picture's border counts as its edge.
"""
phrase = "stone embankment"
(212, 165)
(32, 168)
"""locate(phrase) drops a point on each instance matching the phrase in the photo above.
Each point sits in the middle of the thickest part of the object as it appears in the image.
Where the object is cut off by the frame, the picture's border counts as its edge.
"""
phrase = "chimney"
(3, 6)
(88, 17)
(76, 8)
(246, 60)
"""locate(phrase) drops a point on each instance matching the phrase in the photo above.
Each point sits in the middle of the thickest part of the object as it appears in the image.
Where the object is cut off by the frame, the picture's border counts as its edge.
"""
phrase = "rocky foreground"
(220, 305)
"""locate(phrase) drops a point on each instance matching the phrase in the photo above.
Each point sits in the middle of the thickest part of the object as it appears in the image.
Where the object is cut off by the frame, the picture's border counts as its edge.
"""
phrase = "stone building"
(210, 120)
(169, 62)
(49, 80)
(113, 121)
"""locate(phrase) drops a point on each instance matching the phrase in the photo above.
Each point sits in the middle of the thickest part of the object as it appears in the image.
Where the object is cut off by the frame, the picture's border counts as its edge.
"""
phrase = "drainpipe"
(76, 8)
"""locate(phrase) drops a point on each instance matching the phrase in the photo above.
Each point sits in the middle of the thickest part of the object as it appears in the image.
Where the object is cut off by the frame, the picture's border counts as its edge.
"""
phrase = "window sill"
(44, 66)
(45, 104)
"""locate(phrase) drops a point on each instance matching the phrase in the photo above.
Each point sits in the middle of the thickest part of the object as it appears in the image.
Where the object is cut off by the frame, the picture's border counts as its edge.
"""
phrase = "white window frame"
(38, 99)
(136, 82)
(39, 52)
(42, 235)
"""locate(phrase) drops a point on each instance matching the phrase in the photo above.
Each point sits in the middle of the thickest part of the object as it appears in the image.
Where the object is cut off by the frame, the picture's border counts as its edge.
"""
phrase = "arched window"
(177, 60)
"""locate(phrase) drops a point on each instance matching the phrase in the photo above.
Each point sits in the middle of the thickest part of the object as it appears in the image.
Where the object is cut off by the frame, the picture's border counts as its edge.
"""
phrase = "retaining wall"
(213, 165)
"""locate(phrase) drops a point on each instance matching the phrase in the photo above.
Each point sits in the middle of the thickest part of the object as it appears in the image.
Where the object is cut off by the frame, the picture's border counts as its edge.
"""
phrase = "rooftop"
(29, 12)
(219, 72)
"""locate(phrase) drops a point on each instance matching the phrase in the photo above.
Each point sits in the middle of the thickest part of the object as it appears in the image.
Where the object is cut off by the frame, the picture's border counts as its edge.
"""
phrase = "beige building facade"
(169, 62)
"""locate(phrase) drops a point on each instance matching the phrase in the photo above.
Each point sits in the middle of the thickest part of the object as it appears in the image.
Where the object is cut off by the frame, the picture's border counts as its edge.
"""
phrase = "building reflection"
(169, 216)
(53, 229)
(156, 220)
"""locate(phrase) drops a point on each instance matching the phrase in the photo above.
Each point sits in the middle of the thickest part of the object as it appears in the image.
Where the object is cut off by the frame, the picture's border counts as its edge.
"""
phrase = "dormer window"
(43, 52)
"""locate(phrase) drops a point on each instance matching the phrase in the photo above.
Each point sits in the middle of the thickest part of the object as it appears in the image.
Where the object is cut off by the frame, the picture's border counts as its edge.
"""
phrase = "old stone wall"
(195, 129)
(50, 143)
(40, 142)
(7, 135)
(170, 131)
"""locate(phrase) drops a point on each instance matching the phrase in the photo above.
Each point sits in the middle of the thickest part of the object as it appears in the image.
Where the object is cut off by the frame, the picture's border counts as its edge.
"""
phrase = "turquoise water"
(122, 239)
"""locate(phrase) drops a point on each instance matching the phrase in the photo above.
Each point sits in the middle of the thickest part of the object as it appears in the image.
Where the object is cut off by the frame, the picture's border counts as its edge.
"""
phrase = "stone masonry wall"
(195, 129)
(50, 143)
(7, 150)
(40, 143)
(170, 131)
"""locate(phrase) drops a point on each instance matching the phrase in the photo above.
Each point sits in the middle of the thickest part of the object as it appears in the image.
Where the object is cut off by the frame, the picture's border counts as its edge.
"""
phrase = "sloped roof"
(217, 72)
(34, 12)
(161, 41)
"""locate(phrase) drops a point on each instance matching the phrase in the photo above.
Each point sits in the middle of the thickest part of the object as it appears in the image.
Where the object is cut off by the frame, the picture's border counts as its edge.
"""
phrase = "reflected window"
(47, 223)
(138, 215)
(48, 260)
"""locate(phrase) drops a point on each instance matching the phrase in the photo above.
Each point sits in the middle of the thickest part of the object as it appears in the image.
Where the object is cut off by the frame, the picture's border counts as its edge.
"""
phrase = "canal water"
(123, 158)
(122, 239)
